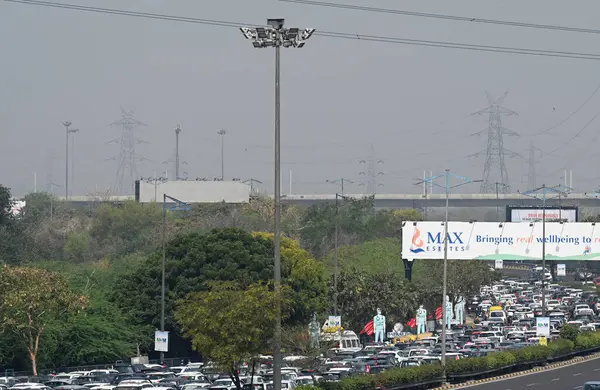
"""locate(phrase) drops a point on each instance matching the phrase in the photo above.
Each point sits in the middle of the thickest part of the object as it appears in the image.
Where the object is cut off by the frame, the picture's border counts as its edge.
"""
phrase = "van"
(346, 341)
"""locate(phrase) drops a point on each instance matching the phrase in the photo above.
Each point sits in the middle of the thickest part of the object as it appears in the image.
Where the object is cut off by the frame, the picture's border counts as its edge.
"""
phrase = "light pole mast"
(275, 35)
(68, 131)
(447, 186)
(535, 193)
(177, 132)
(222, 133)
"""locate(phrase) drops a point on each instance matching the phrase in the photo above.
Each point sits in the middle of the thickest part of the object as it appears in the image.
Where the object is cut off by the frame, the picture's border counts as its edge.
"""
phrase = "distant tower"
(177, 132)
(127, 169)
(532, 160)
(494, 169)
(371, 172)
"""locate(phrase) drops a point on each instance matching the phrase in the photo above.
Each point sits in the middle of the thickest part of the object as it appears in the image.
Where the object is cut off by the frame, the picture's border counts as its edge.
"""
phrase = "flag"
(369, 329)
(412, 323)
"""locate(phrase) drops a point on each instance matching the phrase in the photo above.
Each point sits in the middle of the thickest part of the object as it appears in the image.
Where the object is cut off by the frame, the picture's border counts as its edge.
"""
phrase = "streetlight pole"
(275, 35)
(68, 131)
(222, 133)
(164, 262)
(447, 175)
(543, 191)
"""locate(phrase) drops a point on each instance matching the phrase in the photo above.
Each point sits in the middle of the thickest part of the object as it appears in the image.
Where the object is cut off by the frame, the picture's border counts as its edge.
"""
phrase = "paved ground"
(570, 377)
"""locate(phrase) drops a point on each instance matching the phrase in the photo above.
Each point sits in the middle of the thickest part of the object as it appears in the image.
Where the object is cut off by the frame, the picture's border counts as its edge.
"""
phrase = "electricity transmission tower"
(127, 159)
(372, 172)
(494, 169)
(532, 160)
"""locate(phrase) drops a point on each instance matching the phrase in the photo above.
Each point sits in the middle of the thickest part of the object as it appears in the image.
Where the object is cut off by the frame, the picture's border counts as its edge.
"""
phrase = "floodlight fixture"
(275, 35)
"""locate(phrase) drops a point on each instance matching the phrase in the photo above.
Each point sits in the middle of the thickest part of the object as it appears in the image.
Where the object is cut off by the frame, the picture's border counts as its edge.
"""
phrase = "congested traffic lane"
(564, 378)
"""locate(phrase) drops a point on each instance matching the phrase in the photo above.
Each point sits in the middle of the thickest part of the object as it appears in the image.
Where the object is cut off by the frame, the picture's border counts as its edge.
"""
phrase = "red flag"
(412, 323)
(438, 313)
(369, 329)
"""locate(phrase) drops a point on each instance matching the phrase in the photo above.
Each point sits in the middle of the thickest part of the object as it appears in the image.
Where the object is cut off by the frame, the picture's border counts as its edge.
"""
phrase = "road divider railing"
(473, 369)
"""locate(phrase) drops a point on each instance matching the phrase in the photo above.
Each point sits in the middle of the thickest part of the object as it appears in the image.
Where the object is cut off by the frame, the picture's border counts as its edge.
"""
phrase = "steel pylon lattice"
(127, 158)
(494, 169)
(371, 173)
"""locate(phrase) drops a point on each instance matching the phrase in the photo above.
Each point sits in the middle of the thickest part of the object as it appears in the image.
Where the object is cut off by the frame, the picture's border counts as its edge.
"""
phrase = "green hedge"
(474, 365)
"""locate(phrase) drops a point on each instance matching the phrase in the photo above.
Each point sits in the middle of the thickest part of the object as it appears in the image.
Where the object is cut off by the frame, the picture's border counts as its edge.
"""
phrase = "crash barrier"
(474, 369)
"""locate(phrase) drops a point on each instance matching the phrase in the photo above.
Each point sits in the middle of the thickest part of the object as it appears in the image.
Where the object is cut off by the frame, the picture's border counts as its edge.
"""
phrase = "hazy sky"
(339, 96)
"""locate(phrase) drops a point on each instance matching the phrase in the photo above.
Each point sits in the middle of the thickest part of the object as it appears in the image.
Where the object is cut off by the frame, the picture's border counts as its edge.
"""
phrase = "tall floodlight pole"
(541, 193)
(177, 132)
(222, 133)
(447, 186)
(68, 131)
(275, 35)
(498, 186)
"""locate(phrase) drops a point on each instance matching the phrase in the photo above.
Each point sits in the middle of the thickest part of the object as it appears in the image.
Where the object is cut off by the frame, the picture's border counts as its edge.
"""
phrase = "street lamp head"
(307, 33)
(249, 33)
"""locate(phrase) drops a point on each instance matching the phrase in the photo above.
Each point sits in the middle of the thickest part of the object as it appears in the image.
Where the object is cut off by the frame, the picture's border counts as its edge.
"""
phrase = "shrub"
(474, 365)
(569, 332)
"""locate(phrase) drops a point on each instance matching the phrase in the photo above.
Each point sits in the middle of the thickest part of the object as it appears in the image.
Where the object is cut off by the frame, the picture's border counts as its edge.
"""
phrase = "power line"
(573, 113)
(445, 17)
(330, 34)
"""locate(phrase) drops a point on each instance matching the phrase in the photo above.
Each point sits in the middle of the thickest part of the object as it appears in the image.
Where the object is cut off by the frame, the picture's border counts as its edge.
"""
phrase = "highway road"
(563, 378)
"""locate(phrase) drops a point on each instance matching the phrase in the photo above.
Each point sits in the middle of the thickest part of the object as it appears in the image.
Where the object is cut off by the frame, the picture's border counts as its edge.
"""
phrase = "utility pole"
(447, 186)
(68, 131)
(340, 182)
(252, 182)
(276, 35)
(222, 133)
(541, 193)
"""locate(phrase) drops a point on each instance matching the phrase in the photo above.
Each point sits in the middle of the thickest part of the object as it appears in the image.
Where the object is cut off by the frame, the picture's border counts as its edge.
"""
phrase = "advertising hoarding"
(501, 241)
(531, 214)
(542, 326)
(561, 270)
(161, 341)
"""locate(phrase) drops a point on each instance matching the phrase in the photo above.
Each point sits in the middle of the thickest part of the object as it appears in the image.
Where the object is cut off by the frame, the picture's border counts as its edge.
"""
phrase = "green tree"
(306, 278)
(376, 256)
(194, 260)
(229, 325)
(125, 229)
(31, 301)
(465, 278)
(6, 203)
(77, 247)
(11, 238)
(361, 293)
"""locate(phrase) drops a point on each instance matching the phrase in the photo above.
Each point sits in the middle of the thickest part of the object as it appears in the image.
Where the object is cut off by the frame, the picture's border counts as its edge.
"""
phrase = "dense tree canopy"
(195, 260)
(112, 254)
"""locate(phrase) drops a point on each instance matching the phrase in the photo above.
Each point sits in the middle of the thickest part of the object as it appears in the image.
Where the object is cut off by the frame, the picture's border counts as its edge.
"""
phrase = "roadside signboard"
(501, 241)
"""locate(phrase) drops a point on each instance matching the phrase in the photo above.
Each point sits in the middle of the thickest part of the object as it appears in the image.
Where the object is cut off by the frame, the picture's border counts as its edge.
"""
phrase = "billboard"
(501, 241)
(193, 191)
(531, 214)
(161, 341)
